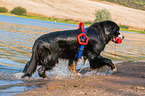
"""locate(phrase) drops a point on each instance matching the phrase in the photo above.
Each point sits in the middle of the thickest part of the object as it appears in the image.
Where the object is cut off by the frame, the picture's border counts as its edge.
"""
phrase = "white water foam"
(18, 75)
(62, 70)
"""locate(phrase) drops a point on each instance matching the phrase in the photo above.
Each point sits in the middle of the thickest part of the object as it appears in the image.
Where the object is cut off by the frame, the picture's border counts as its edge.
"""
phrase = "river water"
(17, 36)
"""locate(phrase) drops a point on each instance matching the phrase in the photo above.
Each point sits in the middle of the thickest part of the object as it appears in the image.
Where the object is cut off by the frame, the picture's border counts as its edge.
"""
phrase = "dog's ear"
(107, 26)
(110, 27)
(108, 30)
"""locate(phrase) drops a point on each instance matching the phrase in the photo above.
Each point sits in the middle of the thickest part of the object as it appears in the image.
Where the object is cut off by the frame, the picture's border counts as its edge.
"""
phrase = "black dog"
(48, 48)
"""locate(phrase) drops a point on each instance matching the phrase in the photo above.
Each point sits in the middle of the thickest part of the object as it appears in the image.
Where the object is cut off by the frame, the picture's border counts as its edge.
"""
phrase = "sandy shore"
(129, 80)
(81, 10)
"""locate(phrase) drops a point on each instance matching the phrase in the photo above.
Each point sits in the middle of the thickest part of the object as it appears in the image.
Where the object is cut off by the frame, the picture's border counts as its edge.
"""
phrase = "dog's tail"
(31, 65)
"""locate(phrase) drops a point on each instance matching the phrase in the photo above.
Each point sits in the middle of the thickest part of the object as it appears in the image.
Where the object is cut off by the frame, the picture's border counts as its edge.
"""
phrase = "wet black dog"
(48, 48)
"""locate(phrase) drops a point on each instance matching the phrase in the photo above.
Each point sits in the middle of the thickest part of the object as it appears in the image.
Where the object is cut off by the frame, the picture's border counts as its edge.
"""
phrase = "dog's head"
(111, 30)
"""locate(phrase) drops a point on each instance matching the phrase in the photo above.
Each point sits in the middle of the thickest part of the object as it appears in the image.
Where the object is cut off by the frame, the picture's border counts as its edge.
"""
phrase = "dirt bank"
(129, 80)
(82, 10)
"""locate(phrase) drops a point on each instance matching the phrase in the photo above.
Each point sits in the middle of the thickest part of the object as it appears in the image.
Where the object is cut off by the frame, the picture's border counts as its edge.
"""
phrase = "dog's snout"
(121, 36)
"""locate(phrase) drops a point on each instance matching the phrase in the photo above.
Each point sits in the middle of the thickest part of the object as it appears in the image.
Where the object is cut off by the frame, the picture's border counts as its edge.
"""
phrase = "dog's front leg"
(108, 62)
(73, 68)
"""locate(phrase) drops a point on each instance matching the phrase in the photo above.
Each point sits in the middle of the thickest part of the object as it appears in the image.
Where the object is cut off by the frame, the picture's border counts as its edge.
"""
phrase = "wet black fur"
(48, 48)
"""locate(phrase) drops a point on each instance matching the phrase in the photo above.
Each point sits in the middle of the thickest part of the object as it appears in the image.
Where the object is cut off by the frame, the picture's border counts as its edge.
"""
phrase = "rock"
(139, 87)
(142, 76)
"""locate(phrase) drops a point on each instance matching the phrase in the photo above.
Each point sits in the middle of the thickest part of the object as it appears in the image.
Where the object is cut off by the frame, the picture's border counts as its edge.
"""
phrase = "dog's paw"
(109, 72)
(78, 74)
(115, 69)
(18, 75)
(26, 76)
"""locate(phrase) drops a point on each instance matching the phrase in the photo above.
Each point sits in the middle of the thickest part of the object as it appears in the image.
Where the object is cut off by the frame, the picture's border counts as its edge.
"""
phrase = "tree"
(19, 11)
(3, 10)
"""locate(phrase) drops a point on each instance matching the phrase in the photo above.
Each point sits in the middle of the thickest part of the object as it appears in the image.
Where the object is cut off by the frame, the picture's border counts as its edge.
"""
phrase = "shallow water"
(17, 36)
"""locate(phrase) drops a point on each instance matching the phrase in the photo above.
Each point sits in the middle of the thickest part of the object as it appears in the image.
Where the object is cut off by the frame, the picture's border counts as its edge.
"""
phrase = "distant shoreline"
(79, 11)
(63, 21)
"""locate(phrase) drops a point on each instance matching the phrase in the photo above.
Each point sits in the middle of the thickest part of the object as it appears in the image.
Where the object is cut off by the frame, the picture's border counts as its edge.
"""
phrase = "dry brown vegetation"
(81, 10)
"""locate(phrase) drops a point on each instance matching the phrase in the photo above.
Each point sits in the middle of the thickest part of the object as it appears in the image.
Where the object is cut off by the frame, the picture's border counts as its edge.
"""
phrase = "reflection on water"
(16, 39)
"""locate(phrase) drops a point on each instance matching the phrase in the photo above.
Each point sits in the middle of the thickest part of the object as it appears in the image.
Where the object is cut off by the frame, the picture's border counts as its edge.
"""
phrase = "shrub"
(3, 10)
(19, 11)
(102, 15)
(123, 26)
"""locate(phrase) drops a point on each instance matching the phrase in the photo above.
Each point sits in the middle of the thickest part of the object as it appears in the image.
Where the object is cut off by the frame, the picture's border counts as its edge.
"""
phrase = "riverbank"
(129, 80)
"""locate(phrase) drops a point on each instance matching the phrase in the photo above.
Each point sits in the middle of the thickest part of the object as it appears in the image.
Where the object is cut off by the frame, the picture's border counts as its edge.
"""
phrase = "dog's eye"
(117, 33)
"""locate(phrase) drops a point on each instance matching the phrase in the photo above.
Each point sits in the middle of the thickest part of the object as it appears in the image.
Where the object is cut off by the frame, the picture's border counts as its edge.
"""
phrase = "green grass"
(143, 32)
(126, 28)
(123, 27)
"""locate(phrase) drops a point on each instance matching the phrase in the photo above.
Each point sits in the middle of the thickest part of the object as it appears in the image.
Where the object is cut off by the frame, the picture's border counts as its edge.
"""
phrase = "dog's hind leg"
(41, 72)
(26, 67)
(31, 65)
(48, 58)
